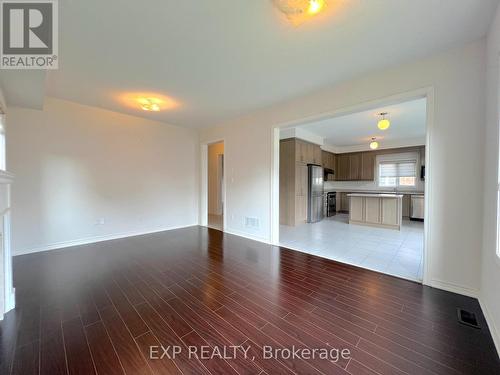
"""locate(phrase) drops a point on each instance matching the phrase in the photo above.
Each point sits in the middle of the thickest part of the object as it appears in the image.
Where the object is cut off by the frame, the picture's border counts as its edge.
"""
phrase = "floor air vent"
(468, 318)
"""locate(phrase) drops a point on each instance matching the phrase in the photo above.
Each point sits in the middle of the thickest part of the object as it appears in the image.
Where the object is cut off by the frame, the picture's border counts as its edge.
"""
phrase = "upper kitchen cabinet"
(342, 169)
(357, 166)
(317, 156)
(307, 153)
(300, 150)
(328, 160)
(368, 166)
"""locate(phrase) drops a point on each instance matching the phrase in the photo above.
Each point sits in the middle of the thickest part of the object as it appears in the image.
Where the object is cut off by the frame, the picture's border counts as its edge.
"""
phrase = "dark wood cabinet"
(328, 160)
(355, 167)
(368, 166)
(307, 153)
(317, 155)
(343, 164)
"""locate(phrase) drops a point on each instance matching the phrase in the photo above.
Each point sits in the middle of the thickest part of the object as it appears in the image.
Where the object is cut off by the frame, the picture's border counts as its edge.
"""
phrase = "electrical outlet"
(252, 222)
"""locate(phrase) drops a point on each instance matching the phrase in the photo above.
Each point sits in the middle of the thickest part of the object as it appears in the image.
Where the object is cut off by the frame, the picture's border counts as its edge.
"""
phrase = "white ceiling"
(408, 122)
(222, 59)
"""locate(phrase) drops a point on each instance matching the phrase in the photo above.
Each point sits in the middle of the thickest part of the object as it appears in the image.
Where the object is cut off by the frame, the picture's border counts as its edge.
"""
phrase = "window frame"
(401, 157)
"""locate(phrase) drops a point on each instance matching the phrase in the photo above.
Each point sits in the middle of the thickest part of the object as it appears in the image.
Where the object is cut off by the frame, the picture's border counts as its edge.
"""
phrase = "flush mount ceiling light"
(149, 104)
(147, 101)
(373, 144)
(297, 11)
(384, 123)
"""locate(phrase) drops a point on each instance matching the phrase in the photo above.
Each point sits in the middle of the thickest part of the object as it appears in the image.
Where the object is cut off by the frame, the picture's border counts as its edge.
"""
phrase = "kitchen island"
(376, 210)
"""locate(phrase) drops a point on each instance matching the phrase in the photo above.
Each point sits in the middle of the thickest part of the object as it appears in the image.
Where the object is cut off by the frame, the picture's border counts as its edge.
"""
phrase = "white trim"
(427, 187)
(6, 177)
(3, 103)
(454, 288)
(96, 239)
(203, 219)
(9, 294)
(494, 331)
(302, 134)
(247, 236)
(274, 222)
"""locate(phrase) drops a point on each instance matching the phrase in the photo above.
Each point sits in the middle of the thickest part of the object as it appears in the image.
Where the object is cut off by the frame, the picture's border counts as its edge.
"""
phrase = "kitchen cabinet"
(342, 202)
(356, 211)
(307, 153)
(295, 154)
(309, 156)
(391, 212)
(417, 207)
(355, 167)
(301, 179)
(360, 166)
(317, 156)
(372, 209)
(300, 151)
(328, 160)
(367, 166)
(342, 167)
(300, 209)
(379, 210)
(325, 158)
(406, 205)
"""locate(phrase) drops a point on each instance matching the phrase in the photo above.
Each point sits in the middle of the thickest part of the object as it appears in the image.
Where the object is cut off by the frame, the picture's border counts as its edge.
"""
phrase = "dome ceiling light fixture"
(149, 104)
(383, 123)
(297, 11)
(374, 144)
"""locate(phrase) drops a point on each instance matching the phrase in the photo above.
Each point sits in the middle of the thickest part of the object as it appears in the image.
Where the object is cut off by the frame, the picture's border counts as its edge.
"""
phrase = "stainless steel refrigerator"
(315, 194)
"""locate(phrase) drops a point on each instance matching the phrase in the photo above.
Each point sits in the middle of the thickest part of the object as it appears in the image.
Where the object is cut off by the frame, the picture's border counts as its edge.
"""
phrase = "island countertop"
(380, 195)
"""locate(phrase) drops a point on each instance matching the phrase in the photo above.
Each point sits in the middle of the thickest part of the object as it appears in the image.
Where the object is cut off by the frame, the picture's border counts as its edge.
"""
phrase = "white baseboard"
(454, 288)
(96, 239)
(247, 236)
(10, 303)
(495, 332)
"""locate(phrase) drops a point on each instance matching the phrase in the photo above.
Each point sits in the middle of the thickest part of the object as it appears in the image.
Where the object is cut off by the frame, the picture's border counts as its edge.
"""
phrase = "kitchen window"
(400, 173)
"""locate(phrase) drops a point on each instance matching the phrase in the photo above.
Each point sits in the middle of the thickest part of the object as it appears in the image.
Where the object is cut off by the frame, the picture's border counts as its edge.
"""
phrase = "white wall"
(75, 165)
(214, 177)
(490, 271)
(457, 147)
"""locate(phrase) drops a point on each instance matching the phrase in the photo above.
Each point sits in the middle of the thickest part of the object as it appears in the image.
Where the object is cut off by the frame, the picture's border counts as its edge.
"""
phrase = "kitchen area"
(358, 205)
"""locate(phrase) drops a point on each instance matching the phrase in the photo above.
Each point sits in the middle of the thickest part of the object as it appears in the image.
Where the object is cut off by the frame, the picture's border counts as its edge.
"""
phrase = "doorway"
(215, 186)
(368, 246)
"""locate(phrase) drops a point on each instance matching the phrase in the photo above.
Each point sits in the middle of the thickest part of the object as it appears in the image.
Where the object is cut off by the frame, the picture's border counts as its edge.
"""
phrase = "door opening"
(365, 235)
(215, 185)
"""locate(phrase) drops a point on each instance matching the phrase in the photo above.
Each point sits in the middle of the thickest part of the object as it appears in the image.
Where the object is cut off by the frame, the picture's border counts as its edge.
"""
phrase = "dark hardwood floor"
(105, 308)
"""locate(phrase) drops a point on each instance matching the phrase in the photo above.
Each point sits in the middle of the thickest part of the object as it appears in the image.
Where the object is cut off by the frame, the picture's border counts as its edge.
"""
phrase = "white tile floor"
(398, 253)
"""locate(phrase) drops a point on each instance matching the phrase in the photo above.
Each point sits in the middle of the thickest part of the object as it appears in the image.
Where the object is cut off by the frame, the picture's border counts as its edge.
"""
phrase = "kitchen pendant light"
(373, 144)
(384, 123)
